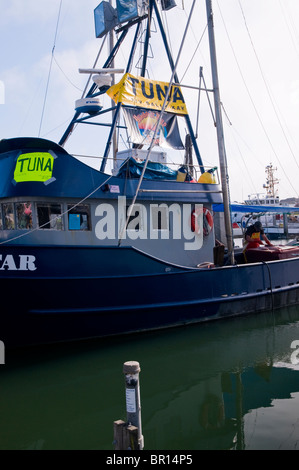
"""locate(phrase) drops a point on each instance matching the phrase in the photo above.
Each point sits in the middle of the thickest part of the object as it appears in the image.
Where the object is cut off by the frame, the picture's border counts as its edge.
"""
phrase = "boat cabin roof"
(34, 167)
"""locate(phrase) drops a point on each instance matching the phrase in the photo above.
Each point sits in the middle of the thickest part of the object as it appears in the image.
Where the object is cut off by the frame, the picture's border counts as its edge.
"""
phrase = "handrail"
(178, 191)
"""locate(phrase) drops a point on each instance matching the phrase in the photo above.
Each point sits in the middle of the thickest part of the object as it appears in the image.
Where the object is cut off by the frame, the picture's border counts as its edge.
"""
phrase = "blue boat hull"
(79, 293)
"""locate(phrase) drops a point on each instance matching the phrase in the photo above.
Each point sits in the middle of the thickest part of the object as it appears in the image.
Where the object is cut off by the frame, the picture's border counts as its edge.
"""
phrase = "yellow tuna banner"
(145, 93)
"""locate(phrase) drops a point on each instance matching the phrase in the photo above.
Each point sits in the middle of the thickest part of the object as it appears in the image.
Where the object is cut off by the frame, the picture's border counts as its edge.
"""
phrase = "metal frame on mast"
(91, 93)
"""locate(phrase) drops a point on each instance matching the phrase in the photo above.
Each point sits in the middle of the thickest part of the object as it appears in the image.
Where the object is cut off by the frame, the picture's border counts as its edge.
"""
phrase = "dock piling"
(2, 352)
(128, 435)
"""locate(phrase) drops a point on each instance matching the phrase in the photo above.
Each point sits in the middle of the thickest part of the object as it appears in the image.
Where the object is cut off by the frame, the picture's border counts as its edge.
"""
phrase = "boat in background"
(86, 254)
(280, 221)
(273, 223)
(271, 197)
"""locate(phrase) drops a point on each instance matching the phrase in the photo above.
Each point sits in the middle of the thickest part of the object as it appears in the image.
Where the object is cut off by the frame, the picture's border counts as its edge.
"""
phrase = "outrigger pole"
(220, 135)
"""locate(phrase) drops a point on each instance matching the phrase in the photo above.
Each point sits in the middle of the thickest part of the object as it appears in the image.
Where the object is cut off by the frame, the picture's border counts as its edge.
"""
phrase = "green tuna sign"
(35, 166)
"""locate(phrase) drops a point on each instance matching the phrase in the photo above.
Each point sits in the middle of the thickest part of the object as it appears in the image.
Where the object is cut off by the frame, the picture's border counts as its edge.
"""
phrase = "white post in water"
(131, 370)
(2, 353)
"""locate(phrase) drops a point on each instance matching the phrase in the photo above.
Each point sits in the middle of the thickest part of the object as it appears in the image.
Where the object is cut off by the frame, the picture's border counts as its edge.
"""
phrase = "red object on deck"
(271, 253)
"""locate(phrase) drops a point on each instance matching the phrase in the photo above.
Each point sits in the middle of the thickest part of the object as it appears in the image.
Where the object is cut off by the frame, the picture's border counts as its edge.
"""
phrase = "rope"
(196, 49)
(61, 70)
(271, 288)
(49, 74)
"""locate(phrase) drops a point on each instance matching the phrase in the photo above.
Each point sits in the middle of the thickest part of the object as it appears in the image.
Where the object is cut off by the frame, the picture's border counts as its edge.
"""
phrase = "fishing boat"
(271, 197)
(279, 219)
(86, 253)
(259, 206)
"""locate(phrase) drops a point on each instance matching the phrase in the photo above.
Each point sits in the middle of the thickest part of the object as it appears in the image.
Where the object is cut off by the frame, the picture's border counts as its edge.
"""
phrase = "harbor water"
(231, 384)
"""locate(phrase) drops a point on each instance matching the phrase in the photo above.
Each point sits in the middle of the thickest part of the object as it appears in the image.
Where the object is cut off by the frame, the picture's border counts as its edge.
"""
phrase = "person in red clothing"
(253, 236)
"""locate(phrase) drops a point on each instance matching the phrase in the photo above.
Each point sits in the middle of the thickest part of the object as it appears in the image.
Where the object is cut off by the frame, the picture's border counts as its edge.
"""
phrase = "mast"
(271, 181)
(111, 47)
(220, 135)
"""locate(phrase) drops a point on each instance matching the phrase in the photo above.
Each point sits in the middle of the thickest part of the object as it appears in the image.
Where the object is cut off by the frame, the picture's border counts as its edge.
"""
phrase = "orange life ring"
(208, 221)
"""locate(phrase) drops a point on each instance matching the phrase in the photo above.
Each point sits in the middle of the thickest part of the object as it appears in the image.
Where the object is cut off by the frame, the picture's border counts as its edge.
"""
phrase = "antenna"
(271, 181)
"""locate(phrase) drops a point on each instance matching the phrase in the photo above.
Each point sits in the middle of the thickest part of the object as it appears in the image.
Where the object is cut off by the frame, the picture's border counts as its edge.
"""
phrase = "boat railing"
(185, 172)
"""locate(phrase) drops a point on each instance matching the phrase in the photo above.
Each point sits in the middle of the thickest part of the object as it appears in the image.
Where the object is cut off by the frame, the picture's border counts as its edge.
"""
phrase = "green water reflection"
(223, 385)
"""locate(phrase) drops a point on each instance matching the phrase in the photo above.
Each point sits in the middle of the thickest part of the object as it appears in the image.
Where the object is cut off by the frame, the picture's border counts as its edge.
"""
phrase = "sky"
(45, 42)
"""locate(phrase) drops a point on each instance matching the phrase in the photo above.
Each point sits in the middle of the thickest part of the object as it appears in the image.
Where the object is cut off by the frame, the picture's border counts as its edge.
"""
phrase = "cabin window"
(79, 217)
(49, 216)
(24, 215)
(8, 216)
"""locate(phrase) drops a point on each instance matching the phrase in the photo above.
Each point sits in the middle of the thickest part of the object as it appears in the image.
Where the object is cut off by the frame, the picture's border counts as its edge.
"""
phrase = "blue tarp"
(154, 171)
(256, 208)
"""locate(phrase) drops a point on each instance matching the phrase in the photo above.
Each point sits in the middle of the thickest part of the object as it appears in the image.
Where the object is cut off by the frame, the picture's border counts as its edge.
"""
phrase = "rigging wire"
(195, 38)
(49, 74)
(270, 96)
(250, 96)
(75, 86)
(33, 100)
(295, 32)
(248, 173)
(243, 79)
(57, 127)
(199, 42)
(293, 37)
